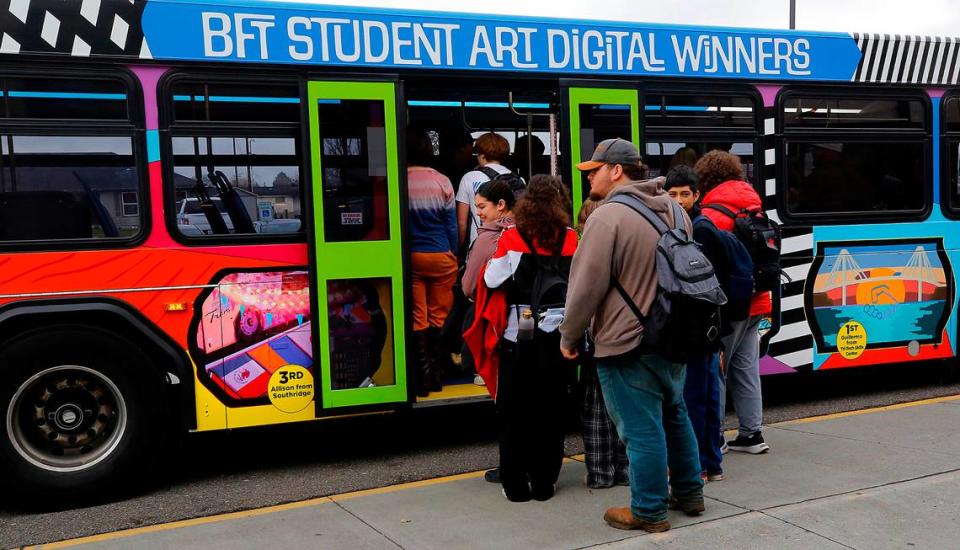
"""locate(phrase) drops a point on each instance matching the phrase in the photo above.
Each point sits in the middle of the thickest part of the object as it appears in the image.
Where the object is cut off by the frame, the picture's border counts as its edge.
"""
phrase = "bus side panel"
(883, 293)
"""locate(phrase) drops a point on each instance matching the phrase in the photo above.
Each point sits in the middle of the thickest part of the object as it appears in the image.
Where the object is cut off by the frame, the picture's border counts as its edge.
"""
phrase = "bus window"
(353, 156)
(857, 156)
(236, 159)
(835, 177)
(661, 156)
(698, 111)
(79, 181)
(951, 144)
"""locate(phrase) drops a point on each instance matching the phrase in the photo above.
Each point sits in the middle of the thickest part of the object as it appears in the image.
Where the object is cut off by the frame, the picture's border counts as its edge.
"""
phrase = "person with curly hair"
(725, 195)
(530, 266)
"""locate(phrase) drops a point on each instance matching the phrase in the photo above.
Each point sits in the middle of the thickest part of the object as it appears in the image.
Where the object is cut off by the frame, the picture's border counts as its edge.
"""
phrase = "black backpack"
(684, 319)
(549, 288)
(512, 179)
(733, 265)
(761, 236)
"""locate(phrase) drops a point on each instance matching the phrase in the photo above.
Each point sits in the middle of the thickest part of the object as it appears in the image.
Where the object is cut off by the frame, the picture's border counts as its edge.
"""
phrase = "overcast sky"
(931, 17)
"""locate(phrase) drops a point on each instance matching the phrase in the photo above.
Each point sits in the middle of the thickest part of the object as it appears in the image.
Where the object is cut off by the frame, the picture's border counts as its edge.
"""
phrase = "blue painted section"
(239, 99)
(153, 146)
(477, 104)
(905, 321)
(65, 95)
(277, 32)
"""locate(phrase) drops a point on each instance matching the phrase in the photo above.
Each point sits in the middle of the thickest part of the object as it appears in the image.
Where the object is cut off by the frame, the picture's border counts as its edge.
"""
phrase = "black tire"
(82, 412)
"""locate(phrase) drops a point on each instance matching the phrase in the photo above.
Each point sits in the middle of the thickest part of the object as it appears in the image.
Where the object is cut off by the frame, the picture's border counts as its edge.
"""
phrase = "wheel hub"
(66, 418)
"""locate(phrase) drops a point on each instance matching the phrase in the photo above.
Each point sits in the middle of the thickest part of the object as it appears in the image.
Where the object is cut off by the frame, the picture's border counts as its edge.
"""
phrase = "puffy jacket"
(736, 195)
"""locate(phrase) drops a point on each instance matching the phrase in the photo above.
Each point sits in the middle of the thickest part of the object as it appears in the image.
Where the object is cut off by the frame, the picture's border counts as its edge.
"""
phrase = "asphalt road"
(230, 471)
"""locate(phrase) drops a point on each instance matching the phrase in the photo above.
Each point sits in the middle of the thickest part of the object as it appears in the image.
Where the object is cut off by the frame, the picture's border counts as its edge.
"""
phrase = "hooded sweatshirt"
(736, 195)
(617, 242)
(483, 248)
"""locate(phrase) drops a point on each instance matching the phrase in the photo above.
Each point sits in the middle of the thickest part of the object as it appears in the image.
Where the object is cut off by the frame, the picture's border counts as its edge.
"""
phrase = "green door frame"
(596, 96)
(358, 259)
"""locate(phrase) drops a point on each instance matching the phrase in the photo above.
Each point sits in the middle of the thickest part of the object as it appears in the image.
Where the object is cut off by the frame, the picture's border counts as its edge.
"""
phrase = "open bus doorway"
(454, 114)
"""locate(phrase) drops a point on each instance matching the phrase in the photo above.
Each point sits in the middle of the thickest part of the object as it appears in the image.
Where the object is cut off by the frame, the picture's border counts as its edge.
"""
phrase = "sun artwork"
(882, 288)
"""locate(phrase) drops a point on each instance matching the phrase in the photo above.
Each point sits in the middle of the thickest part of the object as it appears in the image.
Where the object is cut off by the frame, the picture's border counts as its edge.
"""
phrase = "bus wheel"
(81, 415)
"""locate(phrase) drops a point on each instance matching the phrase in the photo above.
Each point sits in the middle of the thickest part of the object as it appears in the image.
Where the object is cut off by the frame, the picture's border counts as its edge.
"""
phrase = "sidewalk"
(882, 478)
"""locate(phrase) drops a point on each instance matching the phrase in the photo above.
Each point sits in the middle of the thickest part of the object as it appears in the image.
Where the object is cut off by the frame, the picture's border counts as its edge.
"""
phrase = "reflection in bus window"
(236, 157)
(354, 163)
(360, 314)
(661, 156)
(68, 187)
(843, 112)
(700, 111)
(872, 177)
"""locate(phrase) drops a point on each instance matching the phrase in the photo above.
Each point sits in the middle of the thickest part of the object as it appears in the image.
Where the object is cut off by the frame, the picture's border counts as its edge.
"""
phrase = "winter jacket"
(736, 195)
(617, 242)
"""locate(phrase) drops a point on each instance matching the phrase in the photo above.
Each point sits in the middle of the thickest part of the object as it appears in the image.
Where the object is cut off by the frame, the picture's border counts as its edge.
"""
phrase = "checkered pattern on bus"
(75, 27)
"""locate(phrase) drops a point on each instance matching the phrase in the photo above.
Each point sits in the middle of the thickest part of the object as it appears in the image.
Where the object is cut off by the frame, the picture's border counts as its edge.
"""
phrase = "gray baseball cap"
(611, 151)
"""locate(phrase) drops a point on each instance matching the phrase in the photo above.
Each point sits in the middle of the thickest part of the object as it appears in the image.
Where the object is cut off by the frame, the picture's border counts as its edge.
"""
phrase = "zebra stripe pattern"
(80, 28)
(906, 59)
(793, 343)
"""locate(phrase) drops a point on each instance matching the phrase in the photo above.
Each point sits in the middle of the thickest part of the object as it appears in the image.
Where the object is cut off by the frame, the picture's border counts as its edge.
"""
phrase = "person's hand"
(569, 353)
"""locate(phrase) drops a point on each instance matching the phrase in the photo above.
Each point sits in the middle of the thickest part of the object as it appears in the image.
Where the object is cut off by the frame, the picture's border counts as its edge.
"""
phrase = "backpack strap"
(489, 172)
(626, 298)
(640, 208)
(722, 209)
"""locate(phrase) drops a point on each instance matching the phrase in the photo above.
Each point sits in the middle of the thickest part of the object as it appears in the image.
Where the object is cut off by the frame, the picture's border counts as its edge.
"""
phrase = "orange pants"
(434, 274)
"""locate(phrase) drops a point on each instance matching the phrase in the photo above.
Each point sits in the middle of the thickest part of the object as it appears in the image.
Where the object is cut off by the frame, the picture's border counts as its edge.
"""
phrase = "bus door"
(356, 252)
(597, 114)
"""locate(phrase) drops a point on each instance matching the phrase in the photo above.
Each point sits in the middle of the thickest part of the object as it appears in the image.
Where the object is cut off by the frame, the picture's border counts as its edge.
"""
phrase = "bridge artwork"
(898, 290)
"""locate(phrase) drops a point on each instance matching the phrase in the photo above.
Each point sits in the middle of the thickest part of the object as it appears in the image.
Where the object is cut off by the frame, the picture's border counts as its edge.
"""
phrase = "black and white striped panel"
(906, 59)
(75, 27)
(793, 343)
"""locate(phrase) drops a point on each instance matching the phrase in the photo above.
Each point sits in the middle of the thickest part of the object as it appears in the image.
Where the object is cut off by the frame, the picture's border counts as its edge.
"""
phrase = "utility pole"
(793, 14)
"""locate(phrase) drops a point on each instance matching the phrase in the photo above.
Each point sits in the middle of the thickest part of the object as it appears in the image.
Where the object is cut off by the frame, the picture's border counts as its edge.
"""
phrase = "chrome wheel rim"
(66, 418)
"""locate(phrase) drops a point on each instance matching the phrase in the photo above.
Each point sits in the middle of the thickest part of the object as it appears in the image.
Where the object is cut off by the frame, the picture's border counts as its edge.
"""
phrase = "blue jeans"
(701, 393)
(742, 351)
(644, 396)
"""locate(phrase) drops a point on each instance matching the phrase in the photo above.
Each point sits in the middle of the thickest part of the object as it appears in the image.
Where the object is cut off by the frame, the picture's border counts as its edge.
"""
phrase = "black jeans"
(530, 397)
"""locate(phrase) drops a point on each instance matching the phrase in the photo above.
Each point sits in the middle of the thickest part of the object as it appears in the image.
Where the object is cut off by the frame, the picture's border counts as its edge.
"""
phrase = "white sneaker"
(478, 380)
(724, 449)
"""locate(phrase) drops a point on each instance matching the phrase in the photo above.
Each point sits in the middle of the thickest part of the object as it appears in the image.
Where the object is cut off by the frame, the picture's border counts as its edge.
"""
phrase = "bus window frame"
(170, 128)
(949, 198)
(784, 136)
(133, 127)
(735, 134)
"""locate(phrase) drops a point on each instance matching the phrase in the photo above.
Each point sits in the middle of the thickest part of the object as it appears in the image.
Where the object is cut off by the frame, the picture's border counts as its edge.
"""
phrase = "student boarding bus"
(202, 204)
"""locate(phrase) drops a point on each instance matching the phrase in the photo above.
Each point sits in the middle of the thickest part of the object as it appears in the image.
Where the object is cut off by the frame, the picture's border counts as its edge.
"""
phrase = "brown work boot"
(693, 507)
(623, 518)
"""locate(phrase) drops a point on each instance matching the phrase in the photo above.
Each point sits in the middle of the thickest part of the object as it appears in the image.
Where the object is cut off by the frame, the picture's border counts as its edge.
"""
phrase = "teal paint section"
(153, 146)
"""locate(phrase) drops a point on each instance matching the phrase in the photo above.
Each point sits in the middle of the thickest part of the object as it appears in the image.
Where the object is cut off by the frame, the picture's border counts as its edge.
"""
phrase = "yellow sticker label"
(851, 340)
(291, 388)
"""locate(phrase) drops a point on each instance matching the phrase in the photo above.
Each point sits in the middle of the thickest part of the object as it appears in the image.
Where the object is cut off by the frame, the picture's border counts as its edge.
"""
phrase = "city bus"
(202, 204)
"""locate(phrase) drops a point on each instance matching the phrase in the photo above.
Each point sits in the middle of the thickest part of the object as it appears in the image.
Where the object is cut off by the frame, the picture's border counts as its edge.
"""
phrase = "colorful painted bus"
(202, 203)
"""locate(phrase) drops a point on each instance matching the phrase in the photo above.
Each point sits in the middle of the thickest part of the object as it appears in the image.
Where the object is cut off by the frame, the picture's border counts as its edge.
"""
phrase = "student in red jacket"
(531, 384)
(720, 178)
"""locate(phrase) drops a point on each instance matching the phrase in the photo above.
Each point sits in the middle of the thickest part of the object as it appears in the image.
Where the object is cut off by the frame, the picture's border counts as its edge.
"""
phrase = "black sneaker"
(492, 475)
(749, 444)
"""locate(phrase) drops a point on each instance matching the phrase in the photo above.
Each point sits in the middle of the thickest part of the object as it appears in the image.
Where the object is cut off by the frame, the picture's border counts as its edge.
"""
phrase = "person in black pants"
(531, 265)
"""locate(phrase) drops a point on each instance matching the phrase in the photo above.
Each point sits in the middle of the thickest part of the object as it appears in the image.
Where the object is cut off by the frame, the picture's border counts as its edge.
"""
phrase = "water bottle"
(525, 325)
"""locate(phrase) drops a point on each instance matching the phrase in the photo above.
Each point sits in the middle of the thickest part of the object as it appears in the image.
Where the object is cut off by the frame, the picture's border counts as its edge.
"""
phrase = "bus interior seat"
(34, 215)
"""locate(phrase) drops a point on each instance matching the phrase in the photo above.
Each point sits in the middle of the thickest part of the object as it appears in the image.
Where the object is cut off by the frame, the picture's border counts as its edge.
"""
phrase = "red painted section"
(892, 355)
